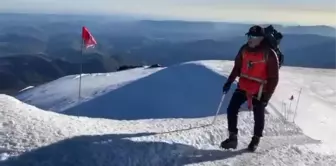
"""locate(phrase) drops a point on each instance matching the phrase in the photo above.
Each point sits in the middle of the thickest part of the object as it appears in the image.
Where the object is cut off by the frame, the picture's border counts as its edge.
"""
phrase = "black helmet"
(256, 30)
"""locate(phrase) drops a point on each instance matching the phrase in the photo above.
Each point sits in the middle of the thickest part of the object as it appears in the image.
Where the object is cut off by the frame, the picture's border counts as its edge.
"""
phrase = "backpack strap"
(243, 52)
(266, 54)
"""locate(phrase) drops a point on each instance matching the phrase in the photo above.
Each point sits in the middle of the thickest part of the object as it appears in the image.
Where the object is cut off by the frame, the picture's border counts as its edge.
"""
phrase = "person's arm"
(237, 66)
(272, 74)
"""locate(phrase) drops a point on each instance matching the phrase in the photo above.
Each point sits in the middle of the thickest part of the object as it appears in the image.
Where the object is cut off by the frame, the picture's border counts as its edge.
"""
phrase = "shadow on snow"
(114, 149)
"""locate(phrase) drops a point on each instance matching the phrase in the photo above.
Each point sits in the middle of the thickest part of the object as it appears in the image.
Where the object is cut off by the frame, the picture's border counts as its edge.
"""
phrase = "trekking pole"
(219, 107)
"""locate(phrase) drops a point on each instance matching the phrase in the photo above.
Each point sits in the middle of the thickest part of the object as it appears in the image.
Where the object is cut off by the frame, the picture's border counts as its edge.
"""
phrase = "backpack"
(273, 38)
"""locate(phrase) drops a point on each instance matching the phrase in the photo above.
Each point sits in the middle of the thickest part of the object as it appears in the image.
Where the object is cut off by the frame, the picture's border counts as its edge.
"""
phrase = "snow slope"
(62, 93)
(316, 111)
(183, 91)
(31, 136)
(190, 90)
(156, 100)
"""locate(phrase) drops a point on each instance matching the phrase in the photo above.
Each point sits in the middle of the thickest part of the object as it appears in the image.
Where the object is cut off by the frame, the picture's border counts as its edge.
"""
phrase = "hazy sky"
(293, 11)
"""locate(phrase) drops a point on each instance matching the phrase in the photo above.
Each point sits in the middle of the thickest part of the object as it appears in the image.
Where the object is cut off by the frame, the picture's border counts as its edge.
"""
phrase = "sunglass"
(253, 37)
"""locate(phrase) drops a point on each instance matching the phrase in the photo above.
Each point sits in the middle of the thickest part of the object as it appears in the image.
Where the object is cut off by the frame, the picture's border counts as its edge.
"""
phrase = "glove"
(226, 87)
(265, 97)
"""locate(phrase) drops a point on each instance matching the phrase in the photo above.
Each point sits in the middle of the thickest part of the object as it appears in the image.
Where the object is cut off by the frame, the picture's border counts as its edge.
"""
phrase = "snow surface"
(189, 90)
(36, 137)
(135, 112)
(316, 112)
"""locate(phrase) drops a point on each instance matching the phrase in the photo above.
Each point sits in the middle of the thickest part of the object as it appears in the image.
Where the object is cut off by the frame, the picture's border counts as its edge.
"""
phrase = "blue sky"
(294, 11)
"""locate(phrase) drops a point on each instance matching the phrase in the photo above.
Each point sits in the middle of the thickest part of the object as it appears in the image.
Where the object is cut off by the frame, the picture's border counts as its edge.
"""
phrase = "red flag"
(89, 40)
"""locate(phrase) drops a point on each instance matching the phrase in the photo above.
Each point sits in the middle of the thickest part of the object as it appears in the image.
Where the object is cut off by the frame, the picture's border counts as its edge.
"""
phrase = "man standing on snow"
(256, 65)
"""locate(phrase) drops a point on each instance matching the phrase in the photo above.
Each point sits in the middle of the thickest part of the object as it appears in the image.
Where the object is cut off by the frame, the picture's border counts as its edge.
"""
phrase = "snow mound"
(37, 137)
(62, 93)
(188, 90)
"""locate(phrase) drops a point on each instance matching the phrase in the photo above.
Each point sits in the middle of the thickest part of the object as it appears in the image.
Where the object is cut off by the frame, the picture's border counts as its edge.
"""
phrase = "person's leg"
(238, 98)
(259, 123)
(259, 117)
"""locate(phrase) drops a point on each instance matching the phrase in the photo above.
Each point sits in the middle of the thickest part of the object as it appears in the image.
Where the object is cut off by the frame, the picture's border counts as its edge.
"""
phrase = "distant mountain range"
(38, 48)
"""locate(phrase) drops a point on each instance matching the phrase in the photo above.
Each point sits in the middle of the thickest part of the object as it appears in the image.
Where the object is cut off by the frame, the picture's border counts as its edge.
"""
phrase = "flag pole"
(297, 103)
(81, 70)
(87, 40)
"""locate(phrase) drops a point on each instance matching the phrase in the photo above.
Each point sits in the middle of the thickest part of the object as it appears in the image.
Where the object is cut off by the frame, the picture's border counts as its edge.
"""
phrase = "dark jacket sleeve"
(237, 66)
(272, 74)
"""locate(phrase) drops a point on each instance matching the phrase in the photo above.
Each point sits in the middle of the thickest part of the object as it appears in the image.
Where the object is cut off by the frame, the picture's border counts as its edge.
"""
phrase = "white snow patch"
(4, 156)
(27, 88)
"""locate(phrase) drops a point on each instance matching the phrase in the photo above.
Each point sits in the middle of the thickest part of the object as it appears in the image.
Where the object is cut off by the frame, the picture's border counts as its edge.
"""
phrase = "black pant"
(238, 98)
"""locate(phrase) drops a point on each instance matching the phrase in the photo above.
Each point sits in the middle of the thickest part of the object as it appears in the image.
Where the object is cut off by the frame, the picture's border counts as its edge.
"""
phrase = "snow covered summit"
(160, 117)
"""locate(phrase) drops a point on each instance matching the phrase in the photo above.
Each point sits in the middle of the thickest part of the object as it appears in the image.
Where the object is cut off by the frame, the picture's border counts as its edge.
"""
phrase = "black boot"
(231, 142)
(254, 143)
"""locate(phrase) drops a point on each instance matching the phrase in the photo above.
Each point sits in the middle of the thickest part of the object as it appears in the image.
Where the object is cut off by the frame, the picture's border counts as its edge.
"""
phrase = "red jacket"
(268, 71)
